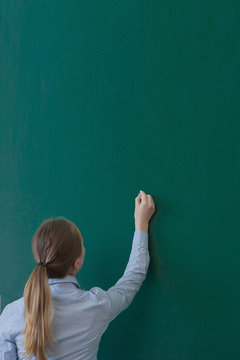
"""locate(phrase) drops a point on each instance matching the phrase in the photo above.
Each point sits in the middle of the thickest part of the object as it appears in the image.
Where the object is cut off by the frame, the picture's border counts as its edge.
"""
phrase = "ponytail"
(38, 314)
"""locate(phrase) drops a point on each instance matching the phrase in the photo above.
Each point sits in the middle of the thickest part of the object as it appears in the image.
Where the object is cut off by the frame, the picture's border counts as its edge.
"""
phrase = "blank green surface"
(101, 99)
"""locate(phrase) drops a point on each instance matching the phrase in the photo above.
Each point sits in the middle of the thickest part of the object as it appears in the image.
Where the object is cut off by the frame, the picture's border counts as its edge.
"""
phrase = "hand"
(144, 209)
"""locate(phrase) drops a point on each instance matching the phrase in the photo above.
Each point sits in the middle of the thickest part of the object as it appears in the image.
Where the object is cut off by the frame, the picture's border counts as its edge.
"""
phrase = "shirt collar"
(66, 279)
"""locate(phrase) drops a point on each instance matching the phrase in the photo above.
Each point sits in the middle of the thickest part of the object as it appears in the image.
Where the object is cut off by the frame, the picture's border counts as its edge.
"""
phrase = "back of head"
(56, 244)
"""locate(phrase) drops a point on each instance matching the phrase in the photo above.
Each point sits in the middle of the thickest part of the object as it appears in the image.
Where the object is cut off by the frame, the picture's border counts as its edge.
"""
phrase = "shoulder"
(97, 292)
(100, 296)
(14, 309)
(11, 317)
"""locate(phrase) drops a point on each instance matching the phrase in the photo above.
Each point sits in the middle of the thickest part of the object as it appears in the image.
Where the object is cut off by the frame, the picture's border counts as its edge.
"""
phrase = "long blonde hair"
(56, 244)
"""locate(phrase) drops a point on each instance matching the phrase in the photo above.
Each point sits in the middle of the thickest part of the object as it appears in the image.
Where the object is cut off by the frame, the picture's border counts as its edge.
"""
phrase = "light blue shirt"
(80, 316)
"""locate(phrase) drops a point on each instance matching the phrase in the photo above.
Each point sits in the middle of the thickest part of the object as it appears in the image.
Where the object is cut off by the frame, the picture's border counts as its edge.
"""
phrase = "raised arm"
(122, 293)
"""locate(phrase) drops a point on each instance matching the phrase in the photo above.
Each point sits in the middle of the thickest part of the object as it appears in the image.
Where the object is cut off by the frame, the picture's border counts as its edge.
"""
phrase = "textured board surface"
(101, 99)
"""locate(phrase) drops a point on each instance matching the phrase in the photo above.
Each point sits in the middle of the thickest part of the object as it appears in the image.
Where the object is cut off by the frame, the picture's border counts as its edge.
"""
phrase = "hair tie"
(42, 264)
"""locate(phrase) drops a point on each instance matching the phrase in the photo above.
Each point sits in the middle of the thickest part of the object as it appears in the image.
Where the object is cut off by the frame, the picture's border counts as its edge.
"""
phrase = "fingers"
(144, 196)
(138, 199)
(151, 201)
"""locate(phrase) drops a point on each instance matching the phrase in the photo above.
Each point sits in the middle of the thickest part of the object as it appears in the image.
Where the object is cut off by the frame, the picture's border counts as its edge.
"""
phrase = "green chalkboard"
(101, 99)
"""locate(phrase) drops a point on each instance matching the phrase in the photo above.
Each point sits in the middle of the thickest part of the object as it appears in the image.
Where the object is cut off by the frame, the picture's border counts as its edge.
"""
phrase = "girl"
(56, 319)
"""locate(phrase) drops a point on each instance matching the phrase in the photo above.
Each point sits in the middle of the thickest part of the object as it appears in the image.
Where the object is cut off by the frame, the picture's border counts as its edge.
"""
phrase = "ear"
(76, 264)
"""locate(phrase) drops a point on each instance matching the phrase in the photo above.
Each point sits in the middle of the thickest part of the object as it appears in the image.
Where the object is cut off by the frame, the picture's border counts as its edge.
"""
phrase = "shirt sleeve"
(122, 293)
(7, 345)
